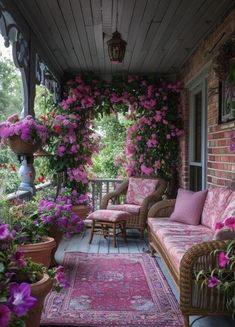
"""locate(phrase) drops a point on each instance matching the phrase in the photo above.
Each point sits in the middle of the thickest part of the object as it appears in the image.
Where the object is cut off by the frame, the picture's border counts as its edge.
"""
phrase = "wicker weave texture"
(194, 299)
(136, 221)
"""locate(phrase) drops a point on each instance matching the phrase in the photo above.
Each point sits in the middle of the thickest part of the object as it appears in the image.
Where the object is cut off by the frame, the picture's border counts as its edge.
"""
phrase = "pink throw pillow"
(188, 207)
(139, 188)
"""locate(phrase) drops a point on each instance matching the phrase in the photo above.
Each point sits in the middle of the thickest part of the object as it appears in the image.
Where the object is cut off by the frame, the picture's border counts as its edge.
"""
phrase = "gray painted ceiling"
(160, 34)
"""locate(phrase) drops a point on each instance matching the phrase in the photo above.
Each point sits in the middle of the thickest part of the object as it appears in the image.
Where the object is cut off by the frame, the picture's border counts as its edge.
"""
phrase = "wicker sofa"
(186, 250)
(139, 209)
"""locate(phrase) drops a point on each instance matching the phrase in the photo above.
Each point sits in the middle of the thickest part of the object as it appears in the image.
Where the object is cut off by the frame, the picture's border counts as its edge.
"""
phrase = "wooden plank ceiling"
(160, 34)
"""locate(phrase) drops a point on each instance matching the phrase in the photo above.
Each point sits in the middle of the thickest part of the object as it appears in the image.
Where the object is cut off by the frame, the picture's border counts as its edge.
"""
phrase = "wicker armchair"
(138, 219)
(195, 299)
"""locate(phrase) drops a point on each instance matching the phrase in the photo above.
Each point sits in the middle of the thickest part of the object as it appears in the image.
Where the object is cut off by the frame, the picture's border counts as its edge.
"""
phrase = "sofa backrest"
(216, 202)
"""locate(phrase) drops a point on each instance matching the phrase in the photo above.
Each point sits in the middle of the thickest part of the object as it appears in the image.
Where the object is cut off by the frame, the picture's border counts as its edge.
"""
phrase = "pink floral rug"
(113, 290)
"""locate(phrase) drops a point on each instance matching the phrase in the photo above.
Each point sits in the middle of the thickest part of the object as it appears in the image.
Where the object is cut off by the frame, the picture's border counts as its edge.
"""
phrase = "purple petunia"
(20, 300)
(5, 315)
(18, 259)
(5, 233)
(27, 129)
(213, 281)
(223, 259)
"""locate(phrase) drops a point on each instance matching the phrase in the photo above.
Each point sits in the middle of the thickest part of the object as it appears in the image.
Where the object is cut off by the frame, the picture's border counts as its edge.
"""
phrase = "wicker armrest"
(197, 258)
(122, 189)
(162, 208)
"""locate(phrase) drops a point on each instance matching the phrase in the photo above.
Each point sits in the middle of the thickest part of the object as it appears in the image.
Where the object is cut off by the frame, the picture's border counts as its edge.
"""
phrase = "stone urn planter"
(39, 290)
(19, 146)
(39, 252)
(82, 211)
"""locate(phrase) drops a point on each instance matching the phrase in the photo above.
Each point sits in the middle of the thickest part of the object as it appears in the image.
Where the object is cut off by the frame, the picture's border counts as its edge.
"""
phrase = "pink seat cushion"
(214, 207)
(230, 208)
(139, 189)
(188, 207)
(109, 215)
(131, 208)
(177, 238)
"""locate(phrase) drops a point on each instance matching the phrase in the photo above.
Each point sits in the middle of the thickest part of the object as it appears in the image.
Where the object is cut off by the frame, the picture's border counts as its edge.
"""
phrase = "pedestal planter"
(57, 235)
(82, 211)
(39, 290)
(21, 147)
(39, 252)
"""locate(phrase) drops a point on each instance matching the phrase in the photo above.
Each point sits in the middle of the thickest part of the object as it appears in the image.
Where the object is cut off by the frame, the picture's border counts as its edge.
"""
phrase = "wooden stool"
(104, 220)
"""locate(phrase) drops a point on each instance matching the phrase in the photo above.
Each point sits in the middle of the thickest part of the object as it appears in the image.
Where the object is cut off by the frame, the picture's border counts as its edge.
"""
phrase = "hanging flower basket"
(20, 147)
(24, 136)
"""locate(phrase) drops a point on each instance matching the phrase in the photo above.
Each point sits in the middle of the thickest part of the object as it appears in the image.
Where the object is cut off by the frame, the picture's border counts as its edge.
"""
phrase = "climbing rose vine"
(151, 107)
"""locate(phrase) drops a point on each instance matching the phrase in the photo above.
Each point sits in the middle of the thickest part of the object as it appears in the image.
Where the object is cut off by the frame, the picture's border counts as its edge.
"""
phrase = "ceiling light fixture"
(116, 46)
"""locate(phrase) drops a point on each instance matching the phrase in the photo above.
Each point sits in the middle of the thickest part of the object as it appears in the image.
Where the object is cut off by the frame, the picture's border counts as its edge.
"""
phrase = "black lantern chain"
(116, 46)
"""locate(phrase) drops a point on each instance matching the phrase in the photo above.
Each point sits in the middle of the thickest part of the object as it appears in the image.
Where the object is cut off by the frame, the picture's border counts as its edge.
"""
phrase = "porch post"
(25, 59)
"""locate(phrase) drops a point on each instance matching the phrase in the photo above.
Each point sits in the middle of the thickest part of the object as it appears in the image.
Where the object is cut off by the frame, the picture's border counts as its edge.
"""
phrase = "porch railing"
(99, 187)
(27, 195)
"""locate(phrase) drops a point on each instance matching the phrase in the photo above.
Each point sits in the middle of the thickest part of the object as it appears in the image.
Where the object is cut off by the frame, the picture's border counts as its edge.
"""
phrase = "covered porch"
(175, 69)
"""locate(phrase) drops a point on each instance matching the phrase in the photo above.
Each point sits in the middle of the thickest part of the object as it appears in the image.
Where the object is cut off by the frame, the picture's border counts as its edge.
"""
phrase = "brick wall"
(221, 162)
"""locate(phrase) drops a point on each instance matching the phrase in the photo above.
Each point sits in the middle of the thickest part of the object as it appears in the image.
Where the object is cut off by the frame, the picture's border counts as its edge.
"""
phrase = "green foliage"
(10, 102)
(10, 89)
(8, 171)
(112, 139)
(43, 105)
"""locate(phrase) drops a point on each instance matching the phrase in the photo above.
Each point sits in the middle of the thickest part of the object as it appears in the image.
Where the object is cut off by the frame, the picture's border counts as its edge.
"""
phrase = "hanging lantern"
(116, 48)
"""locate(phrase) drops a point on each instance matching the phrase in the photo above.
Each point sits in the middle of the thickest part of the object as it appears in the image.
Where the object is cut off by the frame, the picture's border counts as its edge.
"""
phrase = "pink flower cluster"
(224, 258)
(151, 144)
(28, 129)
(60, 213)
(16, 299)
(78, 175)
(228, 222)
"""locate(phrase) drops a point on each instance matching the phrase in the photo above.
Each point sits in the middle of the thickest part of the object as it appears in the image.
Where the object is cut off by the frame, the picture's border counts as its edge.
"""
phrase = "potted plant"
(222, 277)
(58, 215)
(31, 235)
(81, 202)
(24, 284)
(24, 136)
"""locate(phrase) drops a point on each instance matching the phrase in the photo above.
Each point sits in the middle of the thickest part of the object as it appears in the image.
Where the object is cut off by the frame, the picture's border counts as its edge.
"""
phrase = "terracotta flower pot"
(39, 290)
(57, 235)
(39, 252)
(82, 211)
(19, 146)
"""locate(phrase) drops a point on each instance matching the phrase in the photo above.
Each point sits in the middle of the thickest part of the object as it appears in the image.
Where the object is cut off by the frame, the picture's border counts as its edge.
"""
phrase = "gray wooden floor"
(80, 243)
